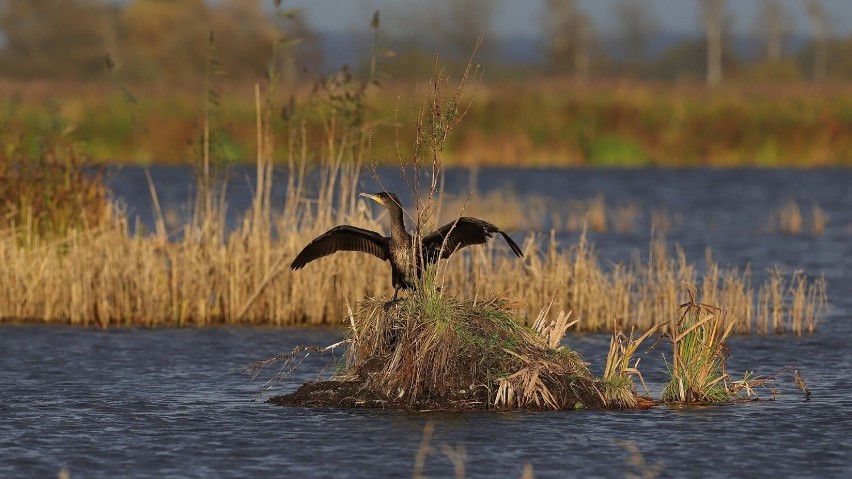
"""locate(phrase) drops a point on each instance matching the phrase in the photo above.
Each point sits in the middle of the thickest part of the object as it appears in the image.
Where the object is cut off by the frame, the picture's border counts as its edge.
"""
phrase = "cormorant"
(406, 262)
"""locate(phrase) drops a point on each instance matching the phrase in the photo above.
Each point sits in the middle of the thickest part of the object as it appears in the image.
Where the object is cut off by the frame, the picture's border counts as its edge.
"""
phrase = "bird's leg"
(392, 302)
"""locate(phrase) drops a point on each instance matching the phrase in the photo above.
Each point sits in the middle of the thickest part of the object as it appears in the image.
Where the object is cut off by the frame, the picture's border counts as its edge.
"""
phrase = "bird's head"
(388, 200)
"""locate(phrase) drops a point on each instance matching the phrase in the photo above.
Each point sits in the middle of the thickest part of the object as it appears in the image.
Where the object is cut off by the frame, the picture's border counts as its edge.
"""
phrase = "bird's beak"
(372, 197)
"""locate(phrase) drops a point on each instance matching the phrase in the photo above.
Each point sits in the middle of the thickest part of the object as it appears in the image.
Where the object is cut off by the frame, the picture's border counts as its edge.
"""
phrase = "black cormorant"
(406, 262)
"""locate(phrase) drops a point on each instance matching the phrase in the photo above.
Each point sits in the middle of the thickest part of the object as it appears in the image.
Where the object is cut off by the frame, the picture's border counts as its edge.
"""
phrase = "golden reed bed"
(106, 276)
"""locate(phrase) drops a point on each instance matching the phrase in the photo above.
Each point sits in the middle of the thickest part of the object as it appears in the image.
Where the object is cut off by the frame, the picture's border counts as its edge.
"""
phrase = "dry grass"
(819, 219)
(789, 219)
(591, 213)
(456, 455)
(434, 350)
(504, 208)
(697, 371)
(514, 212)
(617, 382)
(779, 300)
(637, 466)
(107, 276)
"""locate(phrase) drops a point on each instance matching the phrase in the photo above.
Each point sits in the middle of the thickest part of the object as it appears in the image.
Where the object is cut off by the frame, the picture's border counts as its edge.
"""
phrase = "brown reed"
(789, 219)
(617, 382)
(515, 212)
(434, 350)
(819, 219)
(107, 276)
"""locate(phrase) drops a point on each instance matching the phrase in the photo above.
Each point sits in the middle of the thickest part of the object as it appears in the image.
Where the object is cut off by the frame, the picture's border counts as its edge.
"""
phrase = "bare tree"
(773, 26)
(569, 37)
(165, 40)
(246, 34)
(819, 26)
(52, 38)
(636, 24)
(712, 12)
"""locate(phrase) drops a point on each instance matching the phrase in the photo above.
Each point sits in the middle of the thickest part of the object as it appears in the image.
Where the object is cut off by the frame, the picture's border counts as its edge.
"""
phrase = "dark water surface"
(159, 403)
(154, 403)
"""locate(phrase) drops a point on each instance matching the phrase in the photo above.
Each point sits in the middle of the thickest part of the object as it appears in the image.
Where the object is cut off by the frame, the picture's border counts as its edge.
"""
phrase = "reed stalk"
(789, 219)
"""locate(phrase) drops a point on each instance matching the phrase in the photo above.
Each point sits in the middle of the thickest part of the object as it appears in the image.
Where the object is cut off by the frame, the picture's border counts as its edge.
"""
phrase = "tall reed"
(789, 219)
(106, 275)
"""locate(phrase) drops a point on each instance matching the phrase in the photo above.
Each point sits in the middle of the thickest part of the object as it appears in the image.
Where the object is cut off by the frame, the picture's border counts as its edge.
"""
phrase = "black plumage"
(406, 261)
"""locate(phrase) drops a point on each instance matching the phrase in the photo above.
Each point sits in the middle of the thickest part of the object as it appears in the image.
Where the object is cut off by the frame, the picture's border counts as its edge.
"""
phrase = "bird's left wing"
(460, 233)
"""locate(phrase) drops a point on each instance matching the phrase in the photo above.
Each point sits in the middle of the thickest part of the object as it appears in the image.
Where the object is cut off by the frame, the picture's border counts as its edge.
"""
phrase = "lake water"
(168, 402)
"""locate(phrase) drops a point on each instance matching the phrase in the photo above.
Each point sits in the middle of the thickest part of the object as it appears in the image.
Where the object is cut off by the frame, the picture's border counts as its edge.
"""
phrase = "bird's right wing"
(343, 238)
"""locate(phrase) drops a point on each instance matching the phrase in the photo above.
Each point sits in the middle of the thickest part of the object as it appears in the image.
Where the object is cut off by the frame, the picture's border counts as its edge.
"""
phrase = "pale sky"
(523, 17)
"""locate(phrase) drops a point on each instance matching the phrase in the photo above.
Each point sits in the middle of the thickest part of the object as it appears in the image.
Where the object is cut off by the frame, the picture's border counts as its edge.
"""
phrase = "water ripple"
(143, 403)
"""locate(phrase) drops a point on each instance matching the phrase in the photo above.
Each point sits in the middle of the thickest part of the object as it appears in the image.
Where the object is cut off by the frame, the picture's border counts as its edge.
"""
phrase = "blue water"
(154, 403)
(170, 402)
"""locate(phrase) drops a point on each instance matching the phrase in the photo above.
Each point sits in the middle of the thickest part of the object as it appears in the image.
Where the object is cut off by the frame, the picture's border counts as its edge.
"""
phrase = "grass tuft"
(697, 371)
(617, 382)
(789, 219)
(434, 350)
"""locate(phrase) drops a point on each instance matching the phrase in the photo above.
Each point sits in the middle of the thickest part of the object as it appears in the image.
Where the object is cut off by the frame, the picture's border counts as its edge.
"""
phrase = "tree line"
(148, 39)
(170, 40)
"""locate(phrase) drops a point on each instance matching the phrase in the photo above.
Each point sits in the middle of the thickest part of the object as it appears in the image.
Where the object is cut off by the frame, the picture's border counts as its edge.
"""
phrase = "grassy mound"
(431, 350)
(436, 351)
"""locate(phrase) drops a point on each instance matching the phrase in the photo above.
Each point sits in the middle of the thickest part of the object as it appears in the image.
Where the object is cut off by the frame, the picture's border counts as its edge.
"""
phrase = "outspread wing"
(343, 238)
(458, 234)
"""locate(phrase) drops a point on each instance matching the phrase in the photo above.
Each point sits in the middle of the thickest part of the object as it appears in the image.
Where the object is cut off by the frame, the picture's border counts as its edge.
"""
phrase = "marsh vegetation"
(434, 351)
(73, 256)
(99, 270)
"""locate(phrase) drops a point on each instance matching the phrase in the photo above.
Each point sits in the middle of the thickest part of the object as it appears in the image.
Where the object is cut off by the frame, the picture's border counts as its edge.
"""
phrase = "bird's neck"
(398, 231)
